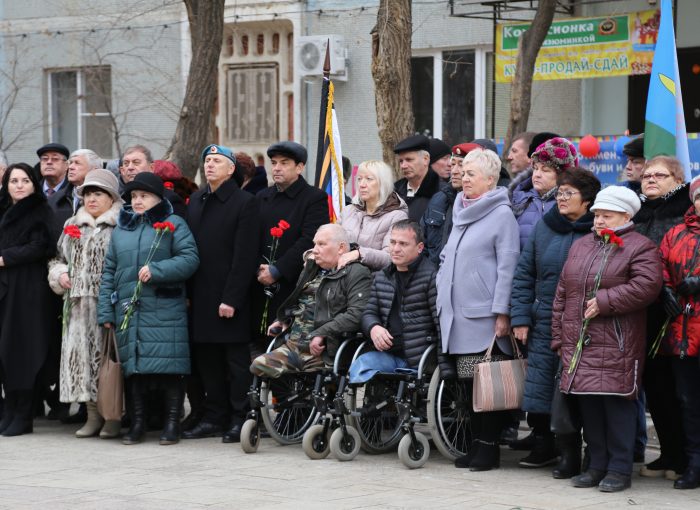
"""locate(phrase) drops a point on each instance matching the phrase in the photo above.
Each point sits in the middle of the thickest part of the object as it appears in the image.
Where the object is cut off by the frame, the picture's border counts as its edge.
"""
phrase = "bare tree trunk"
(391, 71)
(192, 134)
(528, 48)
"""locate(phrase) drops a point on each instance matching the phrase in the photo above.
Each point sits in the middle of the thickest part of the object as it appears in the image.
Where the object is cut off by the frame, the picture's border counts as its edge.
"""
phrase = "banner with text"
(584, 47)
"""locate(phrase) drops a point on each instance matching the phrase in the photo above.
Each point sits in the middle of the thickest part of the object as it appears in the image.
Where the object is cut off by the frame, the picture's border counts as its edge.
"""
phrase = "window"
(252, 103)
(80, 102)
(448, 100)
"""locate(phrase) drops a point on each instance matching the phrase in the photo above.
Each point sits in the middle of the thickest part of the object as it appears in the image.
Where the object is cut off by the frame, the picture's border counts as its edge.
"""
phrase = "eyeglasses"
(53, 159)
(566, 195)
(656, 176)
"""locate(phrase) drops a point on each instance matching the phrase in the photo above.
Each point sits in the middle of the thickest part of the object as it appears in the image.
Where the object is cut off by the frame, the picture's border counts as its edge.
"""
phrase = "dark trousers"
(665, 409)
(540, 423)
(609, 428)
(686, 373)
(225, 373)
(640, 441)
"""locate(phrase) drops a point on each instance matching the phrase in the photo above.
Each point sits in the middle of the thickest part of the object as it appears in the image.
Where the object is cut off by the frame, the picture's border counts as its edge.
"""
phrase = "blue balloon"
(620, 144)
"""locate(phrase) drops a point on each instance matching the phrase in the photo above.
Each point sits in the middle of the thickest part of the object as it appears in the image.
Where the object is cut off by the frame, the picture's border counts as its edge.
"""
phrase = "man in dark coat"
(225, 223)
(401, 315)
(137, 159)
(53, 165)
(419, 182)
(304, 208)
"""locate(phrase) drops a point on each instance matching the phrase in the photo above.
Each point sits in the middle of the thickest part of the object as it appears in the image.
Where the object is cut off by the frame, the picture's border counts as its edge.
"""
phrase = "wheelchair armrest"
(424, 360)
(349, 340)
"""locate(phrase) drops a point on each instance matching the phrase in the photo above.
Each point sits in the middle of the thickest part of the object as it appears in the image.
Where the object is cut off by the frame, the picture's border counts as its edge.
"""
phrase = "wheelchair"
(386, 410)
(290, 407)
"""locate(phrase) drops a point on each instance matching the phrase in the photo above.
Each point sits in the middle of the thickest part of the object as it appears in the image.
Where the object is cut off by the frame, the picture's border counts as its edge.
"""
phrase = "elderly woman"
(474, 284)
(534, 285)
(75, 273)
(368, 220)
(665, 200)
(142, 296)
(681, 343)
(26, 245)
(533, 197)
(598, 327)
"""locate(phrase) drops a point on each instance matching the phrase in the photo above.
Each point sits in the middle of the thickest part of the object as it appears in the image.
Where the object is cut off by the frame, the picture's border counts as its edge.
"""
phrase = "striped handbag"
(499, 385)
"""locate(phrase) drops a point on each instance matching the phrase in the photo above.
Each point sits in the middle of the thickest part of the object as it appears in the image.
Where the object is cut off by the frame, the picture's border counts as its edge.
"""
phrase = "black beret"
(539, 139)
(634, 148)
(145, 181)
(413, 143)
(290, 149)
(438, 149)
(487, 144)
(53, 147)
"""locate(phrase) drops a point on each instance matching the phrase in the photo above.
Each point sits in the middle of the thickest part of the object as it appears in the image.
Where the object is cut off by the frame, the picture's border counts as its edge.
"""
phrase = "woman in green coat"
(142, 296)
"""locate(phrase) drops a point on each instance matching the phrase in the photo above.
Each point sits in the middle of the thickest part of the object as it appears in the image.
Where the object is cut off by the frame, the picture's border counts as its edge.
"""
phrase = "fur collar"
(23, 208)
(129, 220)
(673, 204)
(109, 217)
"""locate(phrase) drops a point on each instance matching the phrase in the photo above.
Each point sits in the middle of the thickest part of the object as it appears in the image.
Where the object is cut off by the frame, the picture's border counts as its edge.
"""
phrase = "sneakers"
(615, 482)
(543, 454)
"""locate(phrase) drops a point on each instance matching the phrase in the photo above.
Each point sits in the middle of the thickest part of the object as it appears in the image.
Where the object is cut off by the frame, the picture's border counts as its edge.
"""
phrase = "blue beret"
(290, 149)
(218, 149)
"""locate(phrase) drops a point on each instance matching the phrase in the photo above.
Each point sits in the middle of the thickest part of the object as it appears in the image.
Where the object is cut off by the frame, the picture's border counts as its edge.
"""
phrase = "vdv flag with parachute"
(329, 158)
(664, 129)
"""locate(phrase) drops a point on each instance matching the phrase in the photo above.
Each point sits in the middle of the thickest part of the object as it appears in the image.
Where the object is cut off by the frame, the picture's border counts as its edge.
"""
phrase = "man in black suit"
(304, 208)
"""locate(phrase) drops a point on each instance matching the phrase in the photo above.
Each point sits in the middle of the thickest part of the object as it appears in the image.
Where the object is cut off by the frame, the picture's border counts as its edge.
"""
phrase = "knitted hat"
(538, 140)
(694, 188)
(102, 179)
(619, 199)
(166, 170)
(558, 153)
(487, 144)
(438, 149)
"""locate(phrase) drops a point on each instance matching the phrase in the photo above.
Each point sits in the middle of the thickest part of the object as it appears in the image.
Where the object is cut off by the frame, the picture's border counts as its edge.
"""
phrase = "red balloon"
(589, 146)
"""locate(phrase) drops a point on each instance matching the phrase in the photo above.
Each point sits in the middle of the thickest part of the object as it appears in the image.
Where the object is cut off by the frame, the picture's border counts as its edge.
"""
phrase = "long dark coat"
(418, 203)
(226, 227)
(305, 208)
(26, 306)
(534, 285)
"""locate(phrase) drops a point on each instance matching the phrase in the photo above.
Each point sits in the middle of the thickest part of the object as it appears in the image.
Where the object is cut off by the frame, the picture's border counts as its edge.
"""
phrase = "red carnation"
(283, 225)
(169, 226)
(276, 232)
(72, 231)
(158, 225)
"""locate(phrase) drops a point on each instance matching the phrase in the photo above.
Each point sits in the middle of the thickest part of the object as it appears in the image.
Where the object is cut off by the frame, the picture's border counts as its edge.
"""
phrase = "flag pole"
(322, 115)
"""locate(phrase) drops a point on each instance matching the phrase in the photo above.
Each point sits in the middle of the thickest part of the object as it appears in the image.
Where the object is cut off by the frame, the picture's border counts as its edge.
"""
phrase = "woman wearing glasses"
(534, 285)
(535, 196)
(665, 199)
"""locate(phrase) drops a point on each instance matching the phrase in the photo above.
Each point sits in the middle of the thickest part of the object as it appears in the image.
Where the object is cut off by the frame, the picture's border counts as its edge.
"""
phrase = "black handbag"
(564, 413)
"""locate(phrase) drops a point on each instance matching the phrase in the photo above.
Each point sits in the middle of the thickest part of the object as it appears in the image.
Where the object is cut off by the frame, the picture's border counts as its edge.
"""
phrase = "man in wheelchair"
(326, 303)
(401, 317)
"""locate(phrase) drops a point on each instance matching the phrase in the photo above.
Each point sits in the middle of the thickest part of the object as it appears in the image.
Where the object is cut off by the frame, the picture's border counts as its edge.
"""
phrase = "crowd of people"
(600, 286)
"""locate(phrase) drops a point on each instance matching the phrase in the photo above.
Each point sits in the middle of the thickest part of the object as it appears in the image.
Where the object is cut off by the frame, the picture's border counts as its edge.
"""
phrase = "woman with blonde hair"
(374, 209)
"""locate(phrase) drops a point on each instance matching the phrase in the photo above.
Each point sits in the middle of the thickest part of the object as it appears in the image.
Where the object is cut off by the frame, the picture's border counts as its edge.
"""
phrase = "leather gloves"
(671, 305)
(689, 286)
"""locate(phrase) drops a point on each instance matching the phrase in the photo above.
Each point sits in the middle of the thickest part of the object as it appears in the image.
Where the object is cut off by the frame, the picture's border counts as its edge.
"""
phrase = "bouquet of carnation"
(610, 241)
(271, 290)
(162, 228)
(73, 232)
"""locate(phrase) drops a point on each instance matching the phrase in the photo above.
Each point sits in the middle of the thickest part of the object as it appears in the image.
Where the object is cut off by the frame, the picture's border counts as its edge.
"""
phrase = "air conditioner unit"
(310, 53)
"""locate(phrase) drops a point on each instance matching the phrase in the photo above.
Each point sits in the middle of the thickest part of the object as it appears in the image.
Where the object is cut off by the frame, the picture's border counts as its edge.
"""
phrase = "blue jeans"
(371, 363)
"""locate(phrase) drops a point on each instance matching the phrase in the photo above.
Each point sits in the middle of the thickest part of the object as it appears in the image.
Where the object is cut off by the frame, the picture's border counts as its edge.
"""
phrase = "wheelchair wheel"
(315, 446)
(345, 447)
(250, 436)
(377, 422)
(414, 456)
(289, 409)
(449, 403)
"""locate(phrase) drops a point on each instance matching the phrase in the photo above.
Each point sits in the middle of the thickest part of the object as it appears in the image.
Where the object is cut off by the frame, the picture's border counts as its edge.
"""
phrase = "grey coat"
(476, 272)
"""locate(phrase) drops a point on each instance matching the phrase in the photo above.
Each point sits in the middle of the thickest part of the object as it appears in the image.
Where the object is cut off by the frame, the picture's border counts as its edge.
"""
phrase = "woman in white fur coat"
(77, 270)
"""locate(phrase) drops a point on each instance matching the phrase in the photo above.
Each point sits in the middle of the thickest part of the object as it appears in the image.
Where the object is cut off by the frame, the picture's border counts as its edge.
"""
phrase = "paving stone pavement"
(51, 469)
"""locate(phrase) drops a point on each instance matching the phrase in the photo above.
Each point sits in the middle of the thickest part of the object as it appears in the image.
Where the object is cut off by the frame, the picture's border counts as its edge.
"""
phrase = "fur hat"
(619, 199)
(558, 153)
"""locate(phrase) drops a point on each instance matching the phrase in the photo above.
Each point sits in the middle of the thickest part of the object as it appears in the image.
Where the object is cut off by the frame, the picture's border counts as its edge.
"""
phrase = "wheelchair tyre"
(288, 409)
(380, 431)
(448, 407)
(250, 436)
(312, 443)
(414, 456)
(345, 446)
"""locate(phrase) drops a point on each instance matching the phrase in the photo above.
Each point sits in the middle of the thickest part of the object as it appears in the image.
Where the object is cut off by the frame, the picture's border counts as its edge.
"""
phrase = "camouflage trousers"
(286, 358)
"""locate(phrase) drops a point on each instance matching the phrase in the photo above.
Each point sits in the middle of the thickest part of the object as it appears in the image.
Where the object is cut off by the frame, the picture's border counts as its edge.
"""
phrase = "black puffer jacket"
(418, 312)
